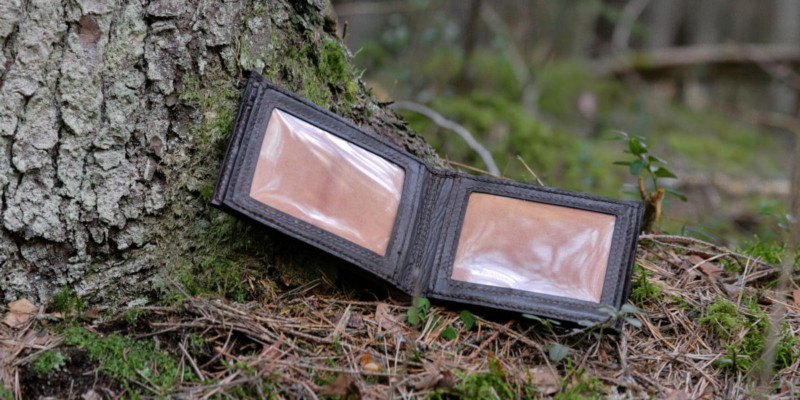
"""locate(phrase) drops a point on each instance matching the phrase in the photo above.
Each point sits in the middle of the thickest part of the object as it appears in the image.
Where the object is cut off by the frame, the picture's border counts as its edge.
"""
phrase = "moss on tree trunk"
(114, 117)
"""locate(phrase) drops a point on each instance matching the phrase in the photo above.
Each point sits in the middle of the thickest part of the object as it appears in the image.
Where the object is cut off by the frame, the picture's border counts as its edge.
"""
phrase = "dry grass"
(303, 344)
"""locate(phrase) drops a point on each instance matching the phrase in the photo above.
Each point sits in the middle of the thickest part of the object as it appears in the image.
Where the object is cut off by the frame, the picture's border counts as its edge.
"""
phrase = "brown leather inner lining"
(333, 184)
(536, 247)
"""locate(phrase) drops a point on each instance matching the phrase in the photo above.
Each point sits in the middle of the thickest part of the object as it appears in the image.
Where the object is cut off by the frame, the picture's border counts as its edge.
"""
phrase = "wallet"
(483, 241)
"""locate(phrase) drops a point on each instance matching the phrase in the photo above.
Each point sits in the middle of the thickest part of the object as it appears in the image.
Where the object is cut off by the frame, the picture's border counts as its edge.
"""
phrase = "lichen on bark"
(113, 121)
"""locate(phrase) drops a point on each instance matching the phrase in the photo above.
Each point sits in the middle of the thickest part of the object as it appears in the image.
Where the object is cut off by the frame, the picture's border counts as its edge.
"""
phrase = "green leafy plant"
(489, 385)
(783, 220)
(49, 360)
(558, 352)
(591, 328)
(642, 289)
(625, 313)
(468, 319)
(644, 162)
(418, 310)
(448, 333)
(546, 322)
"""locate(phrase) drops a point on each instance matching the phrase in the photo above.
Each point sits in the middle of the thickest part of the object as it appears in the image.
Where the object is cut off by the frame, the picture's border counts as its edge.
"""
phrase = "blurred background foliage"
(711, 86)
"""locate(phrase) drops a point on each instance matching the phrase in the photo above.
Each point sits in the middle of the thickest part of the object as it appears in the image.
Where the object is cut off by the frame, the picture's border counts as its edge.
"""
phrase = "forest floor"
(701, 333)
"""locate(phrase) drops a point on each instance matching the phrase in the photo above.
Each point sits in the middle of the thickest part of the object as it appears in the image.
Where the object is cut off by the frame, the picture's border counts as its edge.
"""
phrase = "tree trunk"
(114, 117)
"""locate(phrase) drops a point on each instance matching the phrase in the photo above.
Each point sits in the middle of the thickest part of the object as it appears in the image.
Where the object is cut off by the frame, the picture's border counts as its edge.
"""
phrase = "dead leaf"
(386, 319)
(677, 394)
(369, 364)
(694, 259)
(544, 380)
(20, 312)
(708, 392)
(356, 321)
(342, 387)
(674, 257)
(91, 395)
(91, 313)
(433, 380)
(710, 269)
(796, 297)
(272, 351)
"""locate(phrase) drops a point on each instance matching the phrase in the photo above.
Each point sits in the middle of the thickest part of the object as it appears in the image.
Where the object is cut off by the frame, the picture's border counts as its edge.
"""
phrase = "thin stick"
(460, 165)
(445, 123)
(530, 170)
(192, 363)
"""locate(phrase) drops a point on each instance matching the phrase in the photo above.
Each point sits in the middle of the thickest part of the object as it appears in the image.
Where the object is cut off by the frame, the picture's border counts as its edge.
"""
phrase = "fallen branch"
(676, 57)
(445, 123)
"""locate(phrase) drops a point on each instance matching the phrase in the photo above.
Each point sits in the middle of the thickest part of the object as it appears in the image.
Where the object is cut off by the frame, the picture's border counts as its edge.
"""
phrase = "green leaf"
(448, 333)
(637, 147)
(676, 194)
(637, 166)
(622, 162)
(422, 306)
(533, 317)
(413, 318)
(588, 324)
(609, 310)
(630, 309)
(558, 352)
(633, 321)
(620, 135)
(662, 172)
(658, 159)
(469, 320)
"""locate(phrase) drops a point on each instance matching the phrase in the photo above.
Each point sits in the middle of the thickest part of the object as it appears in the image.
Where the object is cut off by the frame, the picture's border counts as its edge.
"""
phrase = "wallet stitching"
(237, 136)
(548, 190)
(505, 291)
(287, 223)
(430, 202)
(450, 232)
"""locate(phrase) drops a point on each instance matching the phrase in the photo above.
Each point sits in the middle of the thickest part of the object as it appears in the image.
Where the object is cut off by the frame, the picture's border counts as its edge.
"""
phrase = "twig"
(192, 363)
(489, 340)
(474, 169)
(530, 170)
(445, 123)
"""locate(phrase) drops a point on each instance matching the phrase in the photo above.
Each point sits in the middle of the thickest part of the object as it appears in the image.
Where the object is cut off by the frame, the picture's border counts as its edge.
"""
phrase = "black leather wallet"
(490, 242)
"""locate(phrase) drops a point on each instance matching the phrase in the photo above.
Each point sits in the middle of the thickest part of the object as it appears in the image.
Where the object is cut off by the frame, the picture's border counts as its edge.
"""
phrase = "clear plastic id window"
(328, 182)
(542, 248)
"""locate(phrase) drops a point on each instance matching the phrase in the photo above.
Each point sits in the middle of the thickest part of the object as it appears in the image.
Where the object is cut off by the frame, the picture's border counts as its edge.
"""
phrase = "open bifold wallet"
(490, 242)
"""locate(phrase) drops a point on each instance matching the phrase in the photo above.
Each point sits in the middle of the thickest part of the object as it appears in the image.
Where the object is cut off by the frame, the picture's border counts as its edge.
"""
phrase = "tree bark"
(114, 117)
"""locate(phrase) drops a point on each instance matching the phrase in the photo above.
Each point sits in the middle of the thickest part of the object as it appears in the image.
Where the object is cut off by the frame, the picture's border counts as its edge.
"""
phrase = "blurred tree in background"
(712, 85)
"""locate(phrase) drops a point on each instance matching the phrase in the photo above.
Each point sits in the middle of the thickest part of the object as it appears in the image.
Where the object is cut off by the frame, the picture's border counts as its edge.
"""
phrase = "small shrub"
(49, 360)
